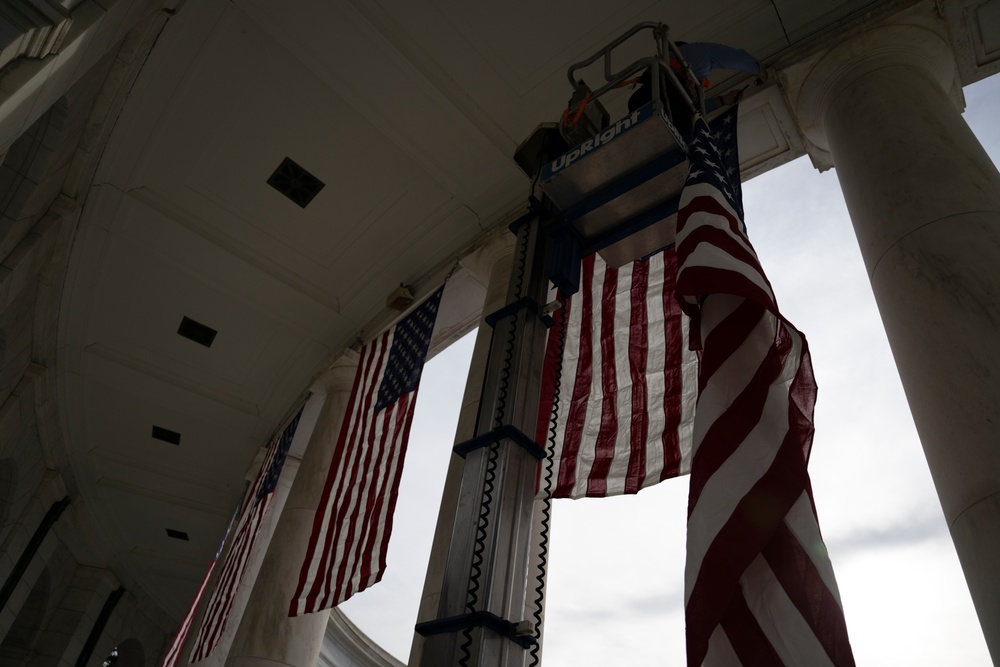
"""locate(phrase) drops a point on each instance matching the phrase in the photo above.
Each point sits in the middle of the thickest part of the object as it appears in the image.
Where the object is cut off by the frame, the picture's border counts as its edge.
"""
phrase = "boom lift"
(596, 186)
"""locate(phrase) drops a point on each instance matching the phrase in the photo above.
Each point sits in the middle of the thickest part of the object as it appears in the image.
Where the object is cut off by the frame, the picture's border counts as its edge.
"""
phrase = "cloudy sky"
(616, 571)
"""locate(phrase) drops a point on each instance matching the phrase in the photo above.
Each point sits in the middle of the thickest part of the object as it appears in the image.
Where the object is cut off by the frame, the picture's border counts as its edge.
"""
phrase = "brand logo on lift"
(606, 135)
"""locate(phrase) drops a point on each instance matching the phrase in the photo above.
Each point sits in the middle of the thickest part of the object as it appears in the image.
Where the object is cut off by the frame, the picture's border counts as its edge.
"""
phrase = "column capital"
(481, 261)
(339, 376)
(812, 85)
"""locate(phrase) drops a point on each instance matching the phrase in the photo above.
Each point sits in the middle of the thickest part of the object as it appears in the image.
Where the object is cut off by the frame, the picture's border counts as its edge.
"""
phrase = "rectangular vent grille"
(177, 534)
(295, 182)
(196, 331)
(166, 435)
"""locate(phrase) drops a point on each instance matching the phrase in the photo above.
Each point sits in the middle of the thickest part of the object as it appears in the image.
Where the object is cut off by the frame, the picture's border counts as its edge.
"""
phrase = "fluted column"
(491, 266)
(924, 199)
(266, 634)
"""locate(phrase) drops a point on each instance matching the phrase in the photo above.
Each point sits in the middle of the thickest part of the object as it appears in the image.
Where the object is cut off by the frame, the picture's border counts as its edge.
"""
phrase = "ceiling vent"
(177, 534)
(196, 331)
(166, 435)
(295, 182)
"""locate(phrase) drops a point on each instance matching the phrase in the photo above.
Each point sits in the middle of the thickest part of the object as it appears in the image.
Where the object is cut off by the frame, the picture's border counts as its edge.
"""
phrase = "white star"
(711, 164)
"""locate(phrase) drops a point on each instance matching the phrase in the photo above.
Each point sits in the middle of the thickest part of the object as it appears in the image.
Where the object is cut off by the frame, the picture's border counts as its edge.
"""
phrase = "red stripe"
(604, 447)
(744, 535)
(638, 352)
(798, 576)
(731, 428)
(718, 281)
(673, 376)
(727, 337)
(749, 642)
(577, 413)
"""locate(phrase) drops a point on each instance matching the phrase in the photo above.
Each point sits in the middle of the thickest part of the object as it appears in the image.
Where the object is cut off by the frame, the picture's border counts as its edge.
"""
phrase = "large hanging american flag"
(628, 381)
(759, 586)
(258, 501)
(350, 536)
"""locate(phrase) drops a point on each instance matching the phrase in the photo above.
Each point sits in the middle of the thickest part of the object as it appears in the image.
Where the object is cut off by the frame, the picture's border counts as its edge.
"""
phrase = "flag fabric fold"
(688, 347)
(759, 586)
(347, 547)
(252, 517)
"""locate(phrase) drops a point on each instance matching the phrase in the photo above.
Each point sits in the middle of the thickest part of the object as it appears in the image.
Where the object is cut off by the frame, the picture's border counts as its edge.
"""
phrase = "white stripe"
(689, 396)
(592, 423)
(720, 652)
(702, 190)
(786, 630)
(711, 256)
(655, 374)
(802, 523)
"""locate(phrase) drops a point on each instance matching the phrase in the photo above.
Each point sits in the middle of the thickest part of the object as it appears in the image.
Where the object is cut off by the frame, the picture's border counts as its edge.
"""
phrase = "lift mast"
(597, 186)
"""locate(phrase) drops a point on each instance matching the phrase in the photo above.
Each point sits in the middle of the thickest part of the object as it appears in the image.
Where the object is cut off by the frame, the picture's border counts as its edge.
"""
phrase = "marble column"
(267, 636)
(924, 199)
(491, 266)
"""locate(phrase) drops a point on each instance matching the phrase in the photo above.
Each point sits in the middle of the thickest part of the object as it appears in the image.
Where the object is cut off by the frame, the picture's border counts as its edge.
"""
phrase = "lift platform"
(615, 186)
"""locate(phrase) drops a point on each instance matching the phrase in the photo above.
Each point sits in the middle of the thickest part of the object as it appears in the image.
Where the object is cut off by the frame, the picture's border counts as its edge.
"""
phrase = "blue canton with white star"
(715, 159)
(278, 460)
(410, 342)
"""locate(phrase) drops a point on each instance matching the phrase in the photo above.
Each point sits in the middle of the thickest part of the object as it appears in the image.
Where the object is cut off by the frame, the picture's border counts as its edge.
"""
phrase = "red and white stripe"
(350, 537)
(221, 603)
(759, 586)
(174, 652)
(626, 403)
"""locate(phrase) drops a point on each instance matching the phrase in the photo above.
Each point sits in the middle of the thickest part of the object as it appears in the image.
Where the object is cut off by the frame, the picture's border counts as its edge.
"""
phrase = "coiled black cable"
(493, 454)
(559, 330)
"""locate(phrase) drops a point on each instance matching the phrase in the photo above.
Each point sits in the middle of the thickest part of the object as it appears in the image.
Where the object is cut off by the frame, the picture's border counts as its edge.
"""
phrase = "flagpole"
(480, 616)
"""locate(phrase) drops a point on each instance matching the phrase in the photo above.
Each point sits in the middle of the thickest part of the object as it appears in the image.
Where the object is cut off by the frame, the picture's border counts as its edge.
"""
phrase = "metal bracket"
(476, 619)
(505, 432)
(524, 303)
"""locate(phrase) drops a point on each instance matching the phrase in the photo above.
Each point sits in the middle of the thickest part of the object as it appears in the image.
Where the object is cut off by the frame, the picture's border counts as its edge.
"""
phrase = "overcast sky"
(616, 571)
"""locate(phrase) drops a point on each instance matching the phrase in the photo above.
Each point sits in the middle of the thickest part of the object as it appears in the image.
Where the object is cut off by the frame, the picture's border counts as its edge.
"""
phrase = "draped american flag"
(258, 500)
(350, 536)
(759, 586)
(177, 645)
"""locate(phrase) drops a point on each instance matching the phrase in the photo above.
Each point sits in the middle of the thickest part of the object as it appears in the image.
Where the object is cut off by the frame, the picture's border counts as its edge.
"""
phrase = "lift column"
(479, 619)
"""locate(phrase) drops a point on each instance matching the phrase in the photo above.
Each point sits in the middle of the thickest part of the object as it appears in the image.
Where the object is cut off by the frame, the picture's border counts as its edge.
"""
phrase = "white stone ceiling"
(409, 112)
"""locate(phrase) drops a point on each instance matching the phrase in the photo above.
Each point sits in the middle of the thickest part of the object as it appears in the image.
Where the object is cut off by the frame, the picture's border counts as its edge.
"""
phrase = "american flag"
(759, 586)
(177, 645)
(259, 499)
(628, 381)
(350, 536)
